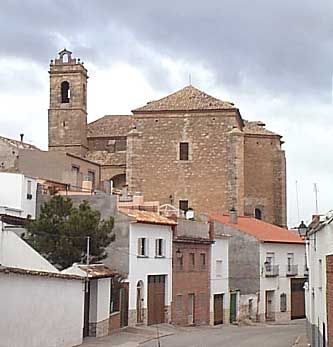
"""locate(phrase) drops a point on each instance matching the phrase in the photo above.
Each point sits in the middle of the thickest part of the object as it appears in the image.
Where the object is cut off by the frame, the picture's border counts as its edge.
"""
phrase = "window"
(257, 213)
(183, 205)
(179, 302)
(191, 261)
(84, 95)
(203, 260)
(283, 302)
(91, 178)
(320, 274)
(183, 151)
(76, 171)
(65, 92)
(142, 247)
(179, 262)
(159, 248)
(29, 190)
(218, 268)
(269, 262)
(290, 262)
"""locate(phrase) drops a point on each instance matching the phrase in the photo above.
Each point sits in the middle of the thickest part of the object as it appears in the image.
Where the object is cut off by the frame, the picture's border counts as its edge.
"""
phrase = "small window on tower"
(65, 92)
(183, 205)
(183, 151)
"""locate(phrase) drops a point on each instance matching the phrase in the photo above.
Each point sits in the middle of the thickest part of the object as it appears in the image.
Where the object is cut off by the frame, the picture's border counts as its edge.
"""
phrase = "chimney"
(211, 230)
(233, 215)
(21, 136)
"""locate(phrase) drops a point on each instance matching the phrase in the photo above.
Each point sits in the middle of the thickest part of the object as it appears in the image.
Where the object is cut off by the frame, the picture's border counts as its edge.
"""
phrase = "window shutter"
(147, 247)
(156, 247)
(139, 247)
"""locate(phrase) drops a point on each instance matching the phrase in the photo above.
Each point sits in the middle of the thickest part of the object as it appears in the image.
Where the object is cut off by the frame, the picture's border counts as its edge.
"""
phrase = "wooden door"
(269, 311)
(156, 299)
(139, 299)
(297, 298)
(233, 307)
(218, 309)
(191, 308)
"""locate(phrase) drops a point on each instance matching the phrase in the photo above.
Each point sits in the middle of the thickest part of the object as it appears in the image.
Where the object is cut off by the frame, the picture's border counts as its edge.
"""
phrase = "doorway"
(218, 309)
(139, 302)
(233, 307)
(191, 307)
(269, 312)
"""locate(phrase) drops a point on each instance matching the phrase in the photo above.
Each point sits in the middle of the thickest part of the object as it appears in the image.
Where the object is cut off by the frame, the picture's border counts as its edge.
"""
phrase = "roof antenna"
(189, 79)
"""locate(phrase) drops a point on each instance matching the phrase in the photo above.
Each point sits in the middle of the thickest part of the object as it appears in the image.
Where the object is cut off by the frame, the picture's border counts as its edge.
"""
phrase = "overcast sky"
(273, 59)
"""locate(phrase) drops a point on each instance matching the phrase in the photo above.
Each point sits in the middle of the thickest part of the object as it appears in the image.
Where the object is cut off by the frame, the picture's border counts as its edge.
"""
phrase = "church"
(188, 149)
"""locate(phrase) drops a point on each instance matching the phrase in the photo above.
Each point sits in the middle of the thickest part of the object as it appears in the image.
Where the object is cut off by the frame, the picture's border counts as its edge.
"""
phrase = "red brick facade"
(190, 279)
(329, 299)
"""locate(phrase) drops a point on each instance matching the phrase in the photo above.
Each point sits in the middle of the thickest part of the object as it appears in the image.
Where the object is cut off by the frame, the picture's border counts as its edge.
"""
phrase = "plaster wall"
(141, 267)
(281, 283)
(41, 311)
(14, 252)
(319, 246)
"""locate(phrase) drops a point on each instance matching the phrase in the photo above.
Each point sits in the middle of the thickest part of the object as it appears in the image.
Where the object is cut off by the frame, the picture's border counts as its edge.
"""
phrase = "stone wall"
(265, 180)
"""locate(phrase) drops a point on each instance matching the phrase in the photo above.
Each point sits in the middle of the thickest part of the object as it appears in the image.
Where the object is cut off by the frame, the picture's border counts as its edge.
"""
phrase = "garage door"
(156, 299)
(297, 298)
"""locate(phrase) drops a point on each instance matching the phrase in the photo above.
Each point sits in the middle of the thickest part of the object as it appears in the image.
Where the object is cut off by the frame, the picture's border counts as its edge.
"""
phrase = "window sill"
(159, 256)
(142, 256)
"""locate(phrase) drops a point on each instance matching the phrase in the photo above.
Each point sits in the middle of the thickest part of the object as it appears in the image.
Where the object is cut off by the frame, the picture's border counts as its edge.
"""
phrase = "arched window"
(65, 92)
(257, 213)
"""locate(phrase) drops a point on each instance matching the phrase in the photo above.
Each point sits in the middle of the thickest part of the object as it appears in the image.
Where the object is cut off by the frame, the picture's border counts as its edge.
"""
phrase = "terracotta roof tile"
(257, 128)
(98, 271)
(110, 126)
(261, 230)
(186, 99)
(17, 144)
(147, 217)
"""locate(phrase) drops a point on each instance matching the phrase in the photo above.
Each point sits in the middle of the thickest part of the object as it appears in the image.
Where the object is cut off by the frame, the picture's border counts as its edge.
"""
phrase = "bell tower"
(67, 123)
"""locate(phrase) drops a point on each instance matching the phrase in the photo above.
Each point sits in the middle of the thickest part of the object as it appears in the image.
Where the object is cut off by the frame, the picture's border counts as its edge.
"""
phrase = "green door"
(233, 298)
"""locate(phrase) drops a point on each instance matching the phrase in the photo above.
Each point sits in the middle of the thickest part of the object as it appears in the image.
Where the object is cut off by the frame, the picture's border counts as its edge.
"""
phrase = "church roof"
(17, 144)
(186, 99)
(257, 128)
(119, 125)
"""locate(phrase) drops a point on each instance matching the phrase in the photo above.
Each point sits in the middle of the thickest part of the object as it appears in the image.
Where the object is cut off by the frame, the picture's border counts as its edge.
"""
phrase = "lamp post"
(302, 230)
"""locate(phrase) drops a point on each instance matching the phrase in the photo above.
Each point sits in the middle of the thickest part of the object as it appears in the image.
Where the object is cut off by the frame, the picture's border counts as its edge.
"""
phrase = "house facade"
(191, 273)
(18, 195)
(267, 266)
(142, 254)
(319, 289)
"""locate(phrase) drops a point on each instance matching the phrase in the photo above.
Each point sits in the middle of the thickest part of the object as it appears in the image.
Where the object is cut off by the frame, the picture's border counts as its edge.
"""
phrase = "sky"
(273, 59)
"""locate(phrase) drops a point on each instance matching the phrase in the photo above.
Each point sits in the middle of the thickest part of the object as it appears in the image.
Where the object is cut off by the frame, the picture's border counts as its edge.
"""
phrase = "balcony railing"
(271, 270)
(306, 271)
(292, 270)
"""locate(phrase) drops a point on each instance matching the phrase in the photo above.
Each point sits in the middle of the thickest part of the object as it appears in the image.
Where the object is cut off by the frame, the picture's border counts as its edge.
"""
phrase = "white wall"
(219, 284)
(281, 283)
(40, 311)
(13, 194)
(14, 252)
(140, 268)
(103, 299)
(319, 246)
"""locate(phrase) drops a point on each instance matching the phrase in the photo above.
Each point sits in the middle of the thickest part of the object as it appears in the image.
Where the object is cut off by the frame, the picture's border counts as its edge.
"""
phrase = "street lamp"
(302, 230)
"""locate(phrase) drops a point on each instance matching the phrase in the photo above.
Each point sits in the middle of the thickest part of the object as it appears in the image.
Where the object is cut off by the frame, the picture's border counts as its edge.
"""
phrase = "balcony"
(271, 270)
(306, 271)
(291, 270)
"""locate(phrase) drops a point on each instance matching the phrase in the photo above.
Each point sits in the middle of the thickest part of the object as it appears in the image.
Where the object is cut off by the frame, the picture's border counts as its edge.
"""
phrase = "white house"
(98, 316)
(219, 279)
(142, 253)
(319, 289)
(267, 266)
(42, 306)
(18, 195)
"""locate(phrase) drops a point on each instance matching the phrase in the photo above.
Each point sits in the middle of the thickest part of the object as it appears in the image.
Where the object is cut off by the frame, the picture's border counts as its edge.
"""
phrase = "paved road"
(233, 336)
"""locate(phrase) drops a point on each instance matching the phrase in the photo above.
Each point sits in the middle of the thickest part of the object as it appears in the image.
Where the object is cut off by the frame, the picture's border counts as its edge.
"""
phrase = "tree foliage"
(60, 233)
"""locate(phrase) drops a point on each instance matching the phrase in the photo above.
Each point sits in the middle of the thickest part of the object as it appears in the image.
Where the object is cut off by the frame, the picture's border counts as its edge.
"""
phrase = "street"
(233, 336)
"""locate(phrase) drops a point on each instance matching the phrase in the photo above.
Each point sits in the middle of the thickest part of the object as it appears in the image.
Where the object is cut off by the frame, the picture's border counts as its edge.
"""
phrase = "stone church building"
(187, 149)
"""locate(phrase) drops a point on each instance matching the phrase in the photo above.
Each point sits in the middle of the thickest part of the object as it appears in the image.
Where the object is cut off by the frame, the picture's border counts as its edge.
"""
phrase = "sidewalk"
(130, 336)
(301, 341)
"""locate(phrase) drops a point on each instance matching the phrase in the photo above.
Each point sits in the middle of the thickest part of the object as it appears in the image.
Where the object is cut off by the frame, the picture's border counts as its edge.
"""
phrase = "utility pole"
(88, 248)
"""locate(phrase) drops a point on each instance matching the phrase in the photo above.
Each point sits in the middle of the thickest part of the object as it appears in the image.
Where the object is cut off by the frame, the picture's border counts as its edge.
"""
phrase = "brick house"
(168, 146)
(191, 273)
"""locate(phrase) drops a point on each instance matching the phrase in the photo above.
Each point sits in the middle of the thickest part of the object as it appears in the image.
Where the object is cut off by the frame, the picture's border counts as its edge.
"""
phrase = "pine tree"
(60, 233)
